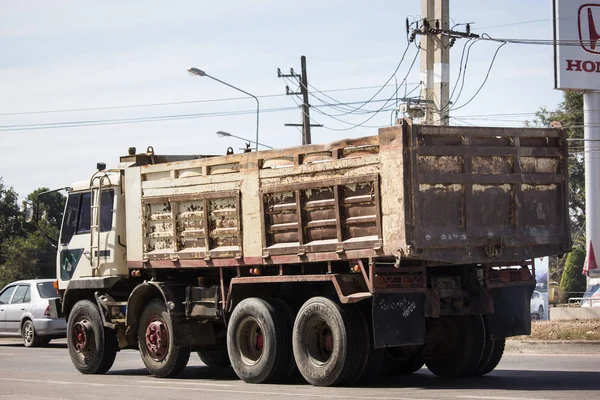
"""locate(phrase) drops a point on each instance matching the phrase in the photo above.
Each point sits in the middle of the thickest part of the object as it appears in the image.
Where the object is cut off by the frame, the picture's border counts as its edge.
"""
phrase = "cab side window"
(69, 225)
(77, 217)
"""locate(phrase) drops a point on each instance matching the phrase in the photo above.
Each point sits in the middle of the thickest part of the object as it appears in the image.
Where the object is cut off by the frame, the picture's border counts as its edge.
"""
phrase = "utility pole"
(305, 105)
(303, 82)
(435, 60)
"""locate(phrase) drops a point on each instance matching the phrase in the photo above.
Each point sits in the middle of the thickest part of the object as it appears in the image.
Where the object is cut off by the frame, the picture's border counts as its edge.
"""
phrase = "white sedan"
(537, 305)
(25, 312)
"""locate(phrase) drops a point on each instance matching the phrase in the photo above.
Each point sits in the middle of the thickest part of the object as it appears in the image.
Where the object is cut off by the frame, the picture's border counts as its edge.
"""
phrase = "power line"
(484, 81)
(66, 110)
(514, 23)
(119, 121)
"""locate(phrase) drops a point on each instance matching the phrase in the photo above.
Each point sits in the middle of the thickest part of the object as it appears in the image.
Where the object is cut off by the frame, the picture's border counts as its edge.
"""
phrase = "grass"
(564, 330)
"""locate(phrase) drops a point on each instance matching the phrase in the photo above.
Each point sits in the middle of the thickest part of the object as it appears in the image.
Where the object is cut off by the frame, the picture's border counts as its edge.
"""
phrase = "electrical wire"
(382, 108)
(66, 110)
(382, 87)
(484, 81)
(119, 121)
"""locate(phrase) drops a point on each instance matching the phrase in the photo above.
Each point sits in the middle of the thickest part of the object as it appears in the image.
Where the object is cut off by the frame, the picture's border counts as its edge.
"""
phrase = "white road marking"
(187, 383)
(499, 398)
(170, 386)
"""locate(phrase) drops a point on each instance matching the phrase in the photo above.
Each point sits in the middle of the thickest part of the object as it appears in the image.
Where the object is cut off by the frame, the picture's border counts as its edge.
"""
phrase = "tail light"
(47, 312)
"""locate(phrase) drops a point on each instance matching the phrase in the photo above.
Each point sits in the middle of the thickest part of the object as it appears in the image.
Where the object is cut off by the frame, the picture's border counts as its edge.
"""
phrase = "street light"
(199, 72)
(227, 134)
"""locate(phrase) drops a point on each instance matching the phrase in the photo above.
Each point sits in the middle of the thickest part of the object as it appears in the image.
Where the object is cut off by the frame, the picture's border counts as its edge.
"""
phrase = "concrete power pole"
(435, 61)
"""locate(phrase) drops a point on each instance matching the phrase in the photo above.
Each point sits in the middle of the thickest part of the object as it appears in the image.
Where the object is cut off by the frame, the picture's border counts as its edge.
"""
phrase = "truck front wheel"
(92, 347)
(162, 357)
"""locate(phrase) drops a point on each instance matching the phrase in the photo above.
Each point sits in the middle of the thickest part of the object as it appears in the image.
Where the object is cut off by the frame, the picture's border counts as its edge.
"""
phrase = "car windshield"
(46, 290)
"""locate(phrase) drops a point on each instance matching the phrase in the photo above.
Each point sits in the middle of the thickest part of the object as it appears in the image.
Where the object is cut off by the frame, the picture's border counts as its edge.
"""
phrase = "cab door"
(16, 309)
(74, 256)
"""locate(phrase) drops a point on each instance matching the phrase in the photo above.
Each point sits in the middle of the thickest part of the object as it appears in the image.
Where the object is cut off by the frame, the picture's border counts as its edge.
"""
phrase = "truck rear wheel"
(287, 316)
(92, 347)
(325, 342)
(477, 345)
(255, 341)
(453, 352)
(362, 347)
(162, 357)
(495, 355)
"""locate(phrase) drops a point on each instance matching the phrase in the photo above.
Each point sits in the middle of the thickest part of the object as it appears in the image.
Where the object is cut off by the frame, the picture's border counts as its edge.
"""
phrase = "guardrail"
(579, 300)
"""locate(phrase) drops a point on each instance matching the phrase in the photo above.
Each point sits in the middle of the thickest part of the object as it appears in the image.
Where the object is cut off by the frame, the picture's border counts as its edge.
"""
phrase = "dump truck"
(340, 261)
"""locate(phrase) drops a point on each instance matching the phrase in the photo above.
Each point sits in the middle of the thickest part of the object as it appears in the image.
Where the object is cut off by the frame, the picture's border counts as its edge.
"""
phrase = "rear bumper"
(50, 327)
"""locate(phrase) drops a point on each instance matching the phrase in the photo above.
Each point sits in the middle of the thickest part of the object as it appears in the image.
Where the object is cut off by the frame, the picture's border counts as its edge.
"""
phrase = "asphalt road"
(47, 373)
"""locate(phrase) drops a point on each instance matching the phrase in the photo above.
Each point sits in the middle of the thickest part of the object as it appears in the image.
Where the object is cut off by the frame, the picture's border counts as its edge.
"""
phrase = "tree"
(570, 114)
(10, 221)
(572, 279)
(27, 258)
(24, 252)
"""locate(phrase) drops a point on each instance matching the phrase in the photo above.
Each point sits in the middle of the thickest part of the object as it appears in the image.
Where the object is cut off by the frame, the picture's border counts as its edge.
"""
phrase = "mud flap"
(398, 319)
(512, 316)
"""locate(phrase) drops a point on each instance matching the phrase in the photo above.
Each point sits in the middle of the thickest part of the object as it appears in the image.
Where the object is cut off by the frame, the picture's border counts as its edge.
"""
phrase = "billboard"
(576, 44)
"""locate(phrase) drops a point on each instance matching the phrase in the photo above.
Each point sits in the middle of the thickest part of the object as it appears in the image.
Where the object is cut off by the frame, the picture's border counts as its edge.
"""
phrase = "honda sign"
(577, 45)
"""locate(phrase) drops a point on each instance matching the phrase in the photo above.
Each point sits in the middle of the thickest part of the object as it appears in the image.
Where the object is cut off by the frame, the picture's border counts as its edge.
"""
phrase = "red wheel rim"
(82, 337)
(157, 338)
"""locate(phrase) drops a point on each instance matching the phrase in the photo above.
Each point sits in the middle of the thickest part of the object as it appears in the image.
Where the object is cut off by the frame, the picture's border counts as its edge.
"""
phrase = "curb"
(552, 347)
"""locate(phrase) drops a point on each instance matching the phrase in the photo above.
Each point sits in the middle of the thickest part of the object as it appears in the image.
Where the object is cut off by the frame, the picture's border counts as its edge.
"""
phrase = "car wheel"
(162, 357)
(30, 338)
(92, 347)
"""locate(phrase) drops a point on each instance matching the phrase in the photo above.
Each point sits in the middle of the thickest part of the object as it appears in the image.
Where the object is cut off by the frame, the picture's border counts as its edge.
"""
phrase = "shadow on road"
(191, 373)
(51, 345)
(505, 380)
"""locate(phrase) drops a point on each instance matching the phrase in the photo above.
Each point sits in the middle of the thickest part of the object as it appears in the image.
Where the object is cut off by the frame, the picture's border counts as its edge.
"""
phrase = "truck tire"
(215, 356)
(255, 341)
(162, 357)
(362, 348)
(496, 352)
(452, 355)
(324, 342)
(375, 357)
(477, 344)
(92, 347)
(288, 363)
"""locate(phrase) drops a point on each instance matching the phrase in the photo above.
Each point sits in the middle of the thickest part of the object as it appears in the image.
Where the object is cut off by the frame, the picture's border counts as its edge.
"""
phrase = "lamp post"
(199, 72)
(227, 134)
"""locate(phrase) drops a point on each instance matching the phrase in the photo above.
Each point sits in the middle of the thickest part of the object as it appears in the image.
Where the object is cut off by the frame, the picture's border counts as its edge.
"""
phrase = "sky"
(82, 81)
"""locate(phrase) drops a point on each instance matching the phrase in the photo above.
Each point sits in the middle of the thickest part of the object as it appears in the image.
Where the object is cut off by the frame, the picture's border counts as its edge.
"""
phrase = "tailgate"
(487, 194)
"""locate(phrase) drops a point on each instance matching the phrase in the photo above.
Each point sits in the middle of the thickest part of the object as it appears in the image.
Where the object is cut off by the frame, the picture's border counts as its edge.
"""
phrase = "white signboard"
(577, 44)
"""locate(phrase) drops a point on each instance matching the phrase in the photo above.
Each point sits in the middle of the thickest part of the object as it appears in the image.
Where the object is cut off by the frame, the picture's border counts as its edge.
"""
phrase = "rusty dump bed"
(444, 194)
